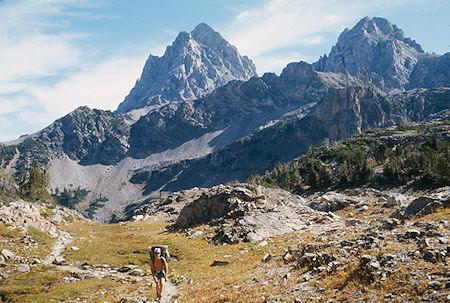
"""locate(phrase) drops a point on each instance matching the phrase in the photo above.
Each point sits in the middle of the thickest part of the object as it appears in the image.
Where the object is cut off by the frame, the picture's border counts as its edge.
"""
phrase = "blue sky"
(56, 55)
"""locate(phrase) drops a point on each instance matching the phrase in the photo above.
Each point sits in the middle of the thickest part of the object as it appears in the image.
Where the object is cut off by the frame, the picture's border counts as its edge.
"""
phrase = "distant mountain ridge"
(194, 65)
(232, 124)
(341, 113)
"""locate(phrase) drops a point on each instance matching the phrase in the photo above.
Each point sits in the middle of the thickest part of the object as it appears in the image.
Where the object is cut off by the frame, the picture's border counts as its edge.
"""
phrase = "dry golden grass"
(13, 239)
(245, 279)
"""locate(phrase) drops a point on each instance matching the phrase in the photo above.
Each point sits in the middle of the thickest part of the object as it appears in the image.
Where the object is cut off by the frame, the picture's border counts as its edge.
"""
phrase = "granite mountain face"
(233, 111)
(208, 118)
(377, 52)
(194, 65)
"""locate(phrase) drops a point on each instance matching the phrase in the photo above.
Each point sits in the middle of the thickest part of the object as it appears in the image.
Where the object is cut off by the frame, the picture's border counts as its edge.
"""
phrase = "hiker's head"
(157, 250)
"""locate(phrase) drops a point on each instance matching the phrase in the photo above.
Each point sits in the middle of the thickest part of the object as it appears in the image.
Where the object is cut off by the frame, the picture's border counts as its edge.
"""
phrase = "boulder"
(432, 255)
(127, 268)
(315, 260)
(219, 263)
(435, 285)
(9, 255)
(331, 201)
(239, 216)
(196, 234)
(418, 207)
(362, 209)
(369, 268)
(3, 275)
(60, 261)
(412, 234)
(267, 257)
(389, 223)
(23, 268)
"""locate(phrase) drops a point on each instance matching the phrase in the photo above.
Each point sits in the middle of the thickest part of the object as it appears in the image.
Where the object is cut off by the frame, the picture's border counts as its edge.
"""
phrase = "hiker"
(159, 271)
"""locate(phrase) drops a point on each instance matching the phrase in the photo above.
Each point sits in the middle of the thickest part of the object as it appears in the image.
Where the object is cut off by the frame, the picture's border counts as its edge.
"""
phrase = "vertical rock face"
(374, 50)
(194, 65)
(433, 71)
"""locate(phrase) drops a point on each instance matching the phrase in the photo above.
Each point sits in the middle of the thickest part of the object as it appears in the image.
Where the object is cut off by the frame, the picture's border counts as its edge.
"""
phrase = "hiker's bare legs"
(159, 286)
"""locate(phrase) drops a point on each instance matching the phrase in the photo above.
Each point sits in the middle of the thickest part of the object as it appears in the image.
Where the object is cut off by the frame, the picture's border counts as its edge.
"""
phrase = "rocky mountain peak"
(377, 52)
(205, 34)
(381, 29)
(194, 65)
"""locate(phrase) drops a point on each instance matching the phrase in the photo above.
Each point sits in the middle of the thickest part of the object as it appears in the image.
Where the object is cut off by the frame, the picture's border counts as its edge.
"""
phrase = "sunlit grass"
(246, 278)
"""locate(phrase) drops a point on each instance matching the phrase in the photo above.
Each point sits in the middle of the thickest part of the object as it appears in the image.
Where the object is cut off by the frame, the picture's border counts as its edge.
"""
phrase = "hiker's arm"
(166, 269)
(152, 269)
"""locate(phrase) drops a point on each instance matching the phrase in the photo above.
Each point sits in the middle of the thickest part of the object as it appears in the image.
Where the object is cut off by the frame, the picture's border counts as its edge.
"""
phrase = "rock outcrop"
(240, 212)
(194, 65)
(432, 71)
(22, 215)
(420, 207)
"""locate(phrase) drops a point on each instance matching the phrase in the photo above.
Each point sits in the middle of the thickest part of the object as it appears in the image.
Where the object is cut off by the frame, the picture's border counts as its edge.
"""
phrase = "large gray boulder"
(419, 207)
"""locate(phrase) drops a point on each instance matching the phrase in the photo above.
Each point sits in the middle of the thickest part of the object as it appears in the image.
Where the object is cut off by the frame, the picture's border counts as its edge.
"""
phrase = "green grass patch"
(46, 285)
(39, 236)
(68, 218)
(33, 283)
(10, 233)
(47, 212)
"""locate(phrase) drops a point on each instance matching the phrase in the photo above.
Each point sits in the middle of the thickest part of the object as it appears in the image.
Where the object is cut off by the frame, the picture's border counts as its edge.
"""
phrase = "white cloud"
(31, 46)
(37, 56)
(9, 106)
(46, 69)
(277, 63)
(104, 87)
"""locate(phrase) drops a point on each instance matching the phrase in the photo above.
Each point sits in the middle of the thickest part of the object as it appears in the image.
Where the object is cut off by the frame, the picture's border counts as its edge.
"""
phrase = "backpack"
(164, 252)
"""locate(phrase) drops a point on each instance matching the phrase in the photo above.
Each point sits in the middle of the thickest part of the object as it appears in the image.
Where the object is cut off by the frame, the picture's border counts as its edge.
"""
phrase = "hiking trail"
(99, 271)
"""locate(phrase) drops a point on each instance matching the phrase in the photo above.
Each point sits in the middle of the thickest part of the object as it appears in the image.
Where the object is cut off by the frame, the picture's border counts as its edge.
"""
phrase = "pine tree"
(35, 187)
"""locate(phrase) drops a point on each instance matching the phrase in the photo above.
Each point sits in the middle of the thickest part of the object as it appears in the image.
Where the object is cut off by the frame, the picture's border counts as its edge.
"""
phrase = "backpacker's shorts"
(161, 275)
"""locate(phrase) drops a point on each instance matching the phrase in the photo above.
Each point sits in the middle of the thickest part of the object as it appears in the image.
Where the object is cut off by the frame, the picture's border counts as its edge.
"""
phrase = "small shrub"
(68, 218)
(47, 213)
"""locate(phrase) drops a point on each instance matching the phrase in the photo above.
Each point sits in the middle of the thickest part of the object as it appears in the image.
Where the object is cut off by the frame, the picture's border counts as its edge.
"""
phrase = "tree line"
(365, 160)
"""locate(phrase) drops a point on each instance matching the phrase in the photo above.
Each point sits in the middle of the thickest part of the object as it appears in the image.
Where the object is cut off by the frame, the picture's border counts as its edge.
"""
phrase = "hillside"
(235, 243)
(341, 113)
(415, 154)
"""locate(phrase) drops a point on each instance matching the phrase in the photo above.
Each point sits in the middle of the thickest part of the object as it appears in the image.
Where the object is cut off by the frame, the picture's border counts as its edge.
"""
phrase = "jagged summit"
(376, 51)
(205, 34)
(381, 29)
(194, 65)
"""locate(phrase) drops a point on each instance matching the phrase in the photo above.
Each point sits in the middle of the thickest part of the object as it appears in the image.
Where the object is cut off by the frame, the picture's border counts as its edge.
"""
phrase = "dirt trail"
(169, 293)
(170, 290)
(64, 239)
